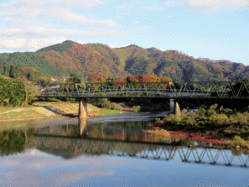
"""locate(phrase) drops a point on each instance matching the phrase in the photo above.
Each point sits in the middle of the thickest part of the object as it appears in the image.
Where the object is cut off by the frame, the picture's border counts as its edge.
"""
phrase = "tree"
(74, 78)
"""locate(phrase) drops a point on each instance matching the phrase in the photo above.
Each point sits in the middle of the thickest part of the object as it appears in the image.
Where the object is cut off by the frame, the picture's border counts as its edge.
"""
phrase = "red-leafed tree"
(93, 77)
(132, 79)
(101, 80)
(120, 80)
(144, 78)
(154, 78)
(166, 79)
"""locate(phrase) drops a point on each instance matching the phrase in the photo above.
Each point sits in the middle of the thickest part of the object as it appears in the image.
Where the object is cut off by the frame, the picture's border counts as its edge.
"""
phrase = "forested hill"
(84, 59)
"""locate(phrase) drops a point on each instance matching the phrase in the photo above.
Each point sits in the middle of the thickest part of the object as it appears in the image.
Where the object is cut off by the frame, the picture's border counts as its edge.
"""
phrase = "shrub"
(136, 108)
(172, 119)
(12, 92)
(227, 111)
(157, 120)
(222, 119)
(189, 118)
(217, 118)
(68, 99)
(210, 112)
(239, 119)
(103, 103)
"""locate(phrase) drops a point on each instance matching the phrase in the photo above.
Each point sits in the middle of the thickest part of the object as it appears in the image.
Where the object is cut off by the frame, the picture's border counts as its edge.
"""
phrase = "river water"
(113, 151)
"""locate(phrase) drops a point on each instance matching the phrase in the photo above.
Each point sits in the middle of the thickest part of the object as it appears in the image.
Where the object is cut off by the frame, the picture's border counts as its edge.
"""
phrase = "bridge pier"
(83, 108)
(174, 107)
(82, 116)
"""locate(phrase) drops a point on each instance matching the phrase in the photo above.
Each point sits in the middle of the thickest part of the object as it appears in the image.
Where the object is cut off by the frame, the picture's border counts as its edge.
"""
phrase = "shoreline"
(49, 110)
(210, 137)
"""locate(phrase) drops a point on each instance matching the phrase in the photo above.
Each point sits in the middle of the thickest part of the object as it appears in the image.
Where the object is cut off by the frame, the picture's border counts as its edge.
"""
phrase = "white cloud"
(154, 7)
(3, 5)
(171, 4)
(28, 168)
(79, 3)
(34, 38)
(202, 5)
(28, 43)
(59, 9)
(68, 17)
(58, 13)
(216, 5)
(61, 3)
(28, 24)
(19, 22)
(126, 6)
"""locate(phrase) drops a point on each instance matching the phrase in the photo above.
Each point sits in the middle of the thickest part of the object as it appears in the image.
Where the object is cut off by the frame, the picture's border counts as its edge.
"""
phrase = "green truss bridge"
(210, 89)
(206, 90)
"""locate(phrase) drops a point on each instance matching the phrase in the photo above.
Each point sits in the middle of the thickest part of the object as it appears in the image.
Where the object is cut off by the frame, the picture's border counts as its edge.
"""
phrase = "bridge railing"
(223, 89)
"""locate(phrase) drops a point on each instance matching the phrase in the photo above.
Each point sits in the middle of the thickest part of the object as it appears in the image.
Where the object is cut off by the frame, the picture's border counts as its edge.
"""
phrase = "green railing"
(209, 89)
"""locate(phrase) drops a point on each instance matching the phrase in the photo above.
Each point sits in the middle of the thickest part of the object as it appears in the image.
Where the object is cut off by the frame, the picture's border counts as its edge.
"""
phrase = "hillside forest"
(59, 61)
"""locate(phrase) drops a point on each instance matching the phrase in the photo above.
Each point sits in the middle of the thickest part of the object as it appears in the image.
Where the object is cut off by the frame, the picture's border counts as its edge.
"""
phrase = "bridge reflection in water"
(138, 144)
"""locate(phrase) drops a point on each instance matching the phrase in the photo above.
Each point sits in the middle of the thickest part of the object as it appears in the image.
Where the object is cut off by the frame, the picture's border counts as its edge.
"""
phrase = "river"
(113, 151)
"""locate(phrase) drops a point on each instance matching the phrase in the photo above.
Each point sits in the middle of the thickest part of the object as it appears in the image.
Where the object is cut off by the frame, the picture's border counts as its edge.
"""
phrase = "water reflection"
(14, 141)
(67, 142)
(109, 153)
(82, 127)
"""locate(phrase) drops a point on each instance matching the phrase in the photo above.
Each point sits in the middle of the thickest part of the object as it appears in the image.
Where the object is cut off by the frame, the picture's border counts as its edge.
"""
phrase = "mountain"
(84, 59)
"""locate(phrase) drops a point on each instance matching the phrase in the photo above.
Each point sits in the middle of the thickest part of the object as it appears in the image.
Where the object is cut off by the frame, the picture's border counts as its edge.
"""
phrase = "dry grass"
(38, 110)
(68, 108)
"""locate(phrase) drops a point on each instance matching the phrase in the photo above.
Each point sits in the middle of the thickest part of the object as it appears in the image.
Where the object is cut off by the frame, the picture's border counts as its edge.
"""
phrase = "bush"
(222, 119)
(189, 118)
(12, 92)
(136, 108)
(239, 119)
(70, 99)
(213, 118)
(173, 120)
(103, 103)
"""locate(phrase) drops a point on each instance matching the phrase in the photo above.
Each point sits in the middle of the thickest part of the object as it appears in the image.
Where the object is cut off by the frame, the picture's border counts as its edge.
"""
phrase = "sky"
(214, 29)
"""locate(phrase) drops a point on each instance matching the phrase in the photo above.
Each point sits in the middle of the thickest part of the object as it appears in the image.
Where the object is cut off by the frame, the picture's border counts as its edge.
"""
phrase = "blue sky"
(214, 29)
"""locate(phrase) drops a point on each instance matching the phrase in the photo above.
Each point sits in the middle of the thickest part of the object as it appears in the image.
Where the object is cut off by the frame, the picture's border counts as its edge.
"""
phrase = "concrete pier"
(177, 109)
(174, 107)
(82, 117)
(83, 108)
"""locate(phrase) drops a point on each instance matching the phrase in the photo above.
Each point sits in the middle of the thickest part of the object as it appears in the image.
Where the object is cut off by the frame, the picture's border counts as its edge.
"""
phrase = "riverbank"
(41, 110)
(223, 127)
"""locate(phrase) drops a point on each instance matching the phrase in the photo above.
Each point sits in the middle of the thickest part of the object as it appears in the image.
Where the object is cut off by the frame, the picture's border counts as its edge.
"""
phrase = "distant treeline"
(18, 71)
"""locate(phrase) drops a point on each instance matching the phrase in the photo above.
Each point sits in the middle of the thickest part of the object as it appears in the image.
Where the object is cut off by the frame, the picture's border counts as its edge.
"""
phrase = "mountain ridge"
(83, 59)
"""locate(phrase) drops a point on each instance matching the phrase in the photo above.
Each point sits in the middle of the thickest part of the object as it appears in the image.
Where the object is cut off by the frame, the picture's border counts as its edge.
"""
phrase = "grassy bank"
(226, 122)
(212, 125)
(39, 110)
(17, 114)
(107, 112)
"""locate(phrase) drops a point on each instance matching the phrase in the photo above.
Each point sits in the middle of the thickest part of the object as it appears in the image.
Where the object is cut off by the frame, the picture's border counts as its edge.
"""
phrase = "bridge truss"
(208, 89)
